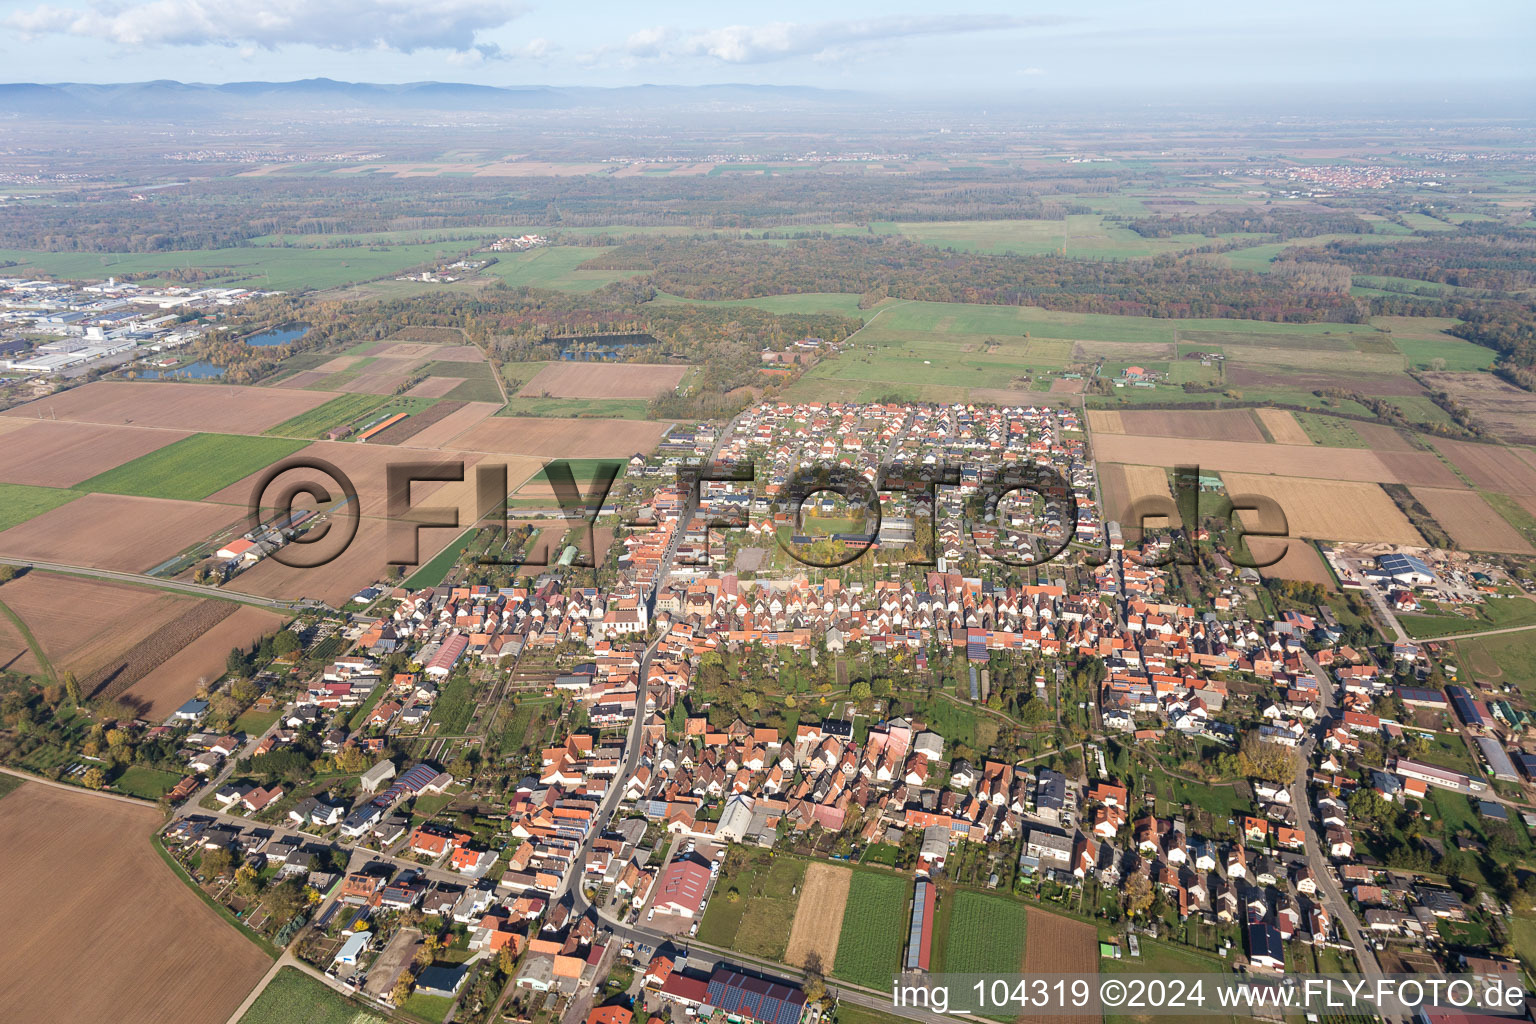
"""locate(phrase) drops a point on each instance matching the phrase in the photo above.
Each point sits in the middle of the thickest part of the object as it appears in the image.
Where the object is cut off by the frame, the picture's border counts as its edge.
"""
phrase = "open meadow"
(161, 954)
(577, 379)
(293, 997)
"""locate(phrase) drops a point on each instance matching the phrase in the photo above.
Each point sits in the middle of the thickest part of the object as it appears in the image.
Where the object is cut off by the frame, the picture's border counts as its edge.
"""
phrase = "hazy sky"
(1131, 46)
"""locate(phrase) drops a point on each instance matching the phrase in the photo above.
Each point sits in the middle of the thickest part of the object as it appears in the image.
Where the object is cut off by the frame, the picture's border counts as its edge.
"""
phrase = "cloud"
(757, 44)
(402, 25)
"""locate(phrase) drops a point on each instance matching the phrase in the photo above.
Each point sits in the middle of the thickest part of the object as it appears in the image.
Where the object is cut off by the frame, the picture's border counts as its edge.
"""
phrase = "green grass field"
(754, 907)
(575, 408)
(194, 467)
(555, 266)
(146, 783)
(986, 935)
(332, 414)
(20, 502)
(874, 929)
(433, 571)
(293, 997)
(455, 706)
(841, 303)
(1507, 658)
(1079, 235)
(1329, 431)
(295, 269)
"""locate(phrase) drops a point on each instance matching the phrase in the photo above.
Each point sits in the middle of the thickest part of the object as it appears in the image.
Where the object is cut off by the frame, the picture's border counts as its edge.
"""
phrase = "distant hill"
(167, 100)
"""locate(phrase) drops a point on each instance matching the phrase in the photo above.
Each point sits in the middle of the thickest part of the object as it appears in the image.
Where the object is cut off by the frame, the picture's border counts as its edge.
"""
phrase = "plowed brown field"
(819, 917)
(1491, 467)
(1299, 561)
(1471, 521)
(1328, 509)
(177, 678)
(59, 453)
(157, 952)
(1245, 457)
(560, 439)
(1059, 945)
(219, 408)
(116, 531)
(83, 624)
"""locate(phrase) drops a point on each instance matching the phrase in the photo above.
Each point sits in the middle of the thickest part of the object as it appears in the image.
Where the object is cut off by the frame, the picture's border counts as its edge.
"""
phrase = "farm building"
(1498, 761)
(682, 887)
(447, 656)
(1415, 697)
(1264, 946)
(418, 780)
(920, 937)
(376, 776)
(1437, 776)
(1527, 763)
(1468, 709)
(356, 943)
(757, 999)
(1405, 569)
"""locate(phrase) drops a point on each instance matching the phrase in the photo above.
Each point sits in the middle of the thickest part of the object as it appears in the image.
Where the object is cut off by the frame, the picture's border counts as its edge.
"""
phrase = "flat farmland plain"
(1124, 485)
(1282, 426)
(117, 531)
(819, 917)
(874, 929)
(1471, 521)
(1299, 561)
(986, 934)
(158, 952)
(434, 387)
(1491, 467)
(452, 425)
(1060, 945)
(559, 439)
(1208, 424)
(1244, 456)
(52, 606)
(176, 679)
(1506, 409)
(60, 453)
(365, 561)
(604, 380)
(1341, 510)
(193, 467)
(215, 408)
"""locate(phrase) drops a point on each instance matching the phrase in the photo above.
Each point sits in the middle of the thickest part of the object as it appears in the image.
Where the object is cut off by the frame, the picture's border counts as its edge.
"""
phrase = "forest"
(523, 324)
(211, 214)
(1502, 261)
(879, 266)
